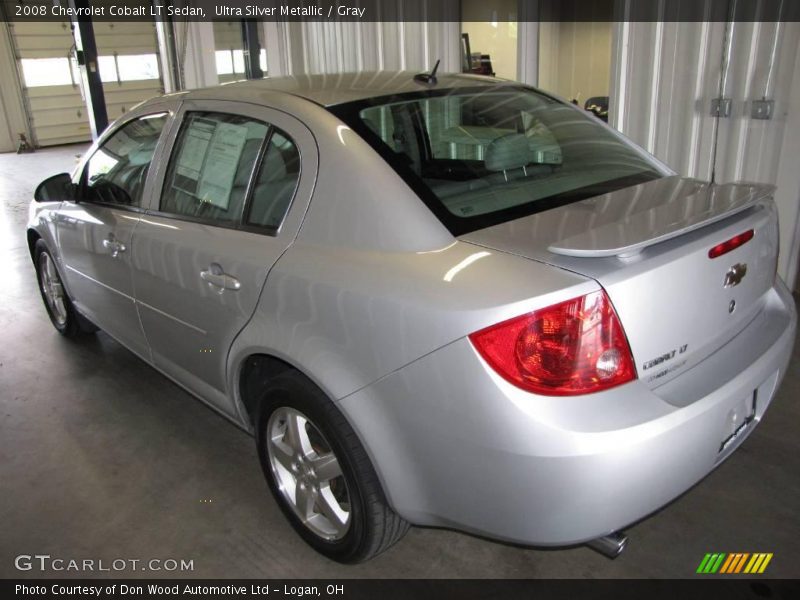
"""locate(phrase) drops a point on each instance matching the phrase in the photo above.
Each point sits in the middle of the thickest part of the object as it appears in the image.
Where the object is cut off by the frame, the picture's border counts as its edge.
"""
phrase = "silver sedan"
(453, 302)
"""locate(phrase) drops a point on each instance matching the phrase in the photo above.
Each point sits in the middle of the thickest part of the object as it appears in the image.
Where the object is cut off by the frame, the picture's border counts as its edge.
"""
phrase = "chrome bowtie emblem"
(735, 274)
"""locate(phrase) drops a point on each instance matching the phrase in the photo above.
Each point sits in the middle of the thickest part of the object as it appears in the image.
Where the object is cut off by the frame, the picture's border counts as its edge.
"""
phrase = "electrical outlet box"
(762, 109)
(721, 107)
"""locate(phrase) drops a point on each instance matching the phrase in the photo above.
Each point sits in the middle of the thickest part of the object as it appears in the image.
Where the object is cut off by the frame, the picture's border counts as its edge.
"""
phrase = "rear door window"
(276, 183)
(211, 166)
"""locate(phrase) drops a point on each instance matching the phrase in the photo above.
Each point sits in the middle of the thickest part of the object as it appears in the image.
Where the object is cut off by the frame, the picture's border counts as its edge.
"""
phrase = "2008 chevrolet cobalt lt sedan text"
(456, 302)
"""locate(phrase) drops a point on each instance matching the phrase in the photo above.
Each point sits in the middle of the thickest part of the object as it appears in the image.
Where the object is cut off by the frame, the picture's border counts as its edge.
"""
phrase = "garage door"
(229, 53)
(52, 87)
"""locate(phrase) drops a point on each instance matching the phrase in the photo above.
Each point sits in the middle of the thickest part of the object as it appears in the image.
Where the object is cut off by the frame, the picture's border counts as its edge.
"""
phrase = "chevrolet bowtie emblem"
(735, 274)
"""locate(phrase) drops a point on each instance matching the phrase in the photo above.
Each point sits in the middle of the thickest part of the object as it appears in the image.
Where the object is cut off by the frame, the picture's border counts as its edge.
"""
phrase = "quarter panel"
(346, 317)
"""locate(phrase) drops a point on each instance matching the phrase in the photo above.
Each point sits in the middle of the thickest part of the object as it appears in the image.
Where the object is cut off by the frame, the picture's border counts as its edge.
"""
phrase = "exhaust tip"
(611, 545)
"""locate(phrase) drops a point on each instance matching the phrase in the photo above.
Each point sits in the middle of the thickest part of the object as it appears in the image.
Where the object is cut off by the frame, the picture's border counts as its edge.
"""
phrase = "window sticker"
(222, 160)
(193, 154)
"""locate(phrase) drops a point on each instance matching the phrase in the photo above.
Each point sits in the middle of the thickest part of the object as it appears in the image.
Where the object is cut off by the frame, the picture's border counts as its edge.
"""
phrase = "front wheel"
(320, 474)
(59, 307)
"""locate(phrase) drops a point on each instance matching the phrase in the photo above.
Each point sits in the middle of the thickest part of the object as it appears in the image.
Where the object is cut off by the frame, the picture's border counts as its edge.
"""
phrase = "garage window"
(40, 72)
(229, 62)
(108, 68)
(128, 67)
(137, 67)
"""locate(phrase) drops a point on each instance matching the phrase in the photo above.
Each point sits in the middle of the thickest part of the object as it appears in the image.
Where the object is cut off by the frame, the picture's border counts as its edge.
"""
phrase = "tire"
(63, 315)
(328, 489)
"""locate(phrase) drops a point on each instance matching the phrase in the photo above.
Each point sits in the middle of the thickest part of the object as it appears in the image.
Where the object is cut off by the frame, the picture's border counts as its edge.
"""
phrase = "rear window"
(482, 156)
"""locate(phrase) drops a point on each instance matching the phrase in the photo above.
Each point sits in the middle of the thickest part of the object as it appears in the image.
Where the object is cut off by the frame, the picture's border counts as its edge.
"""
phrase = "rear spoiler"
(689, 204)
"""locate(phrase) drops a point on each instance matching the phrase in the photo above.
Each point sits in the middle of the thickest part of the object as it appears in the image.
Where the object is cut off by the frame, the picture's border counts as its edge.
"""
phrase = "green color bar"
(701, 568)
(718, 563)
(711, 562)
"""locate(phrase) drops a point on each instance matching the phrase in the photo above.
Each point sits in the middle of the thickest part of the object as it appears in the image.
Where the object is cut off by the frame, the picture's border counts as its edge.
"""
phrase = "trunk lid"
(648, 246)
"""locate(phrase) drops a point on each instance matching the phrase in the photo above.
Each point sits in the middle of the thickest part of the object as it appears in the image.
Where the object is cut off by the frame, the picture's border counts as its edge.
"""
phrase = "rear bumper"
(457, 446)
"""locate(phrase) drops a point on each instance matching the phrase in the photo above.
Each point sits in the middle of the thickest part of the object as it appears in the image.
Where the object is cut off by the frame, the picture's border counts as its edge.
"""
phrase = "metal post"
(86, 50)
(252, 49)
(170, 62)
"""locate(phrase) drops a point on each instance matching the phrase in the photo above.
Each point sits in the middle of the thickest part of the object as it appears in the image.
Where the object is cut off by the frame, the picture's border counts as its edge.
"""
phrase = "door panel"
(95, 235)
(198, 270)
(190, 323)
(95, 242)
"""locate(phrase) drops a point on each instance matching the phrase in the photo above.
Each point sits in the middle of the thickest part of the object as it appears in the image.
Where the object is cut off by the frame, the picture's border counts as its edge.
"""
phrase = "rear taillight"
(575, 347)
(731, 244)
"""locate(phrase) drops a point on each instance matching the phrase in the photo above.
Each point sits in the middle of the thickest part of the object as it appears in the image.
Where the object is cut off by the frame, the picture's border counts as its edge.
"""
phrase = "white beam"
(787, 195)
(195, 42)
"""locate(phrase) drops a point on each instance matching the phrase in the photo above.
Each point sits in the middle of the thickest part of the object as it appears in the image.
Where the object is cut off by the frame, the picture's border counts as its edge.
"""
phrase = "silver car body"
(364, 291)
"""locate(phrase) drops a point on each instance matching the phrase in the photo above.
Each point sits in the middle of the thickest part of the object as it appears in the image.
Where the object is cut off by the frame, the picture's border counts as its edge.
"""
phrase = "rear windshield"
(482, 156)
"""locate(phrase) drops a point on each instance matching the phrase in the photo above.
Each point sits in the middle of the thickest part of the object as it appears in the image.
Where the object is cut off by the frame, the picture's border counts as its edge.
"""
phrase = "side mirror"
(55, 189)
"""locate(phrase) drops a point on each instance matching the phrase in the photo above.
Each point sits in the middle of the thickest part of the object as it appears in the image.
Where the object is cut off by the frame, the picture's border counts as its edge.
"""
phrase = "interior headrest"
(507, 152)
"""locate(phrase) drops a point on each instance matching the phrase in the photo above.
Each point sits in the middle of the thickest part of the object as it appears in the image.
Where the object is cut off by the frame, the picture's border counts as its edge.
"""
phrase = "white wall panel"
(196, 53)
(337, 47)
(574, 59)
(664, 79)
(663, 99)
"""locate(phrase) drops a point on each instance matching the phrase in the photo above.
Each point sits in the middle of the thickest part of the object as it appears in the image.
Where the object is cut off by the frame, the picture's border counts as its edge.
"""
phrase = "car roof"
(329, 90)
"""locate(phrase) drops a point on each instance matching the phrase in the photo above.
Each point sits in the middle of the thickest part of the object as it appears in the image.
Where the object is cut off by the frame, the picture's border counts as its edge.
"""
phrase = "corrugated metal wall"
(336, 47)
(673, 71)
(664, 77)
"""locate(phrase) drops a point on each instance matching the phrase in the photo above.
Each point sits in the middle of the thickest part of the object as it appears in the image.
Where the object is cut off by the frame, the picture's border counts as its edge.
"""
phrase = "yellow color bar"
(765, 563)
(754, 562)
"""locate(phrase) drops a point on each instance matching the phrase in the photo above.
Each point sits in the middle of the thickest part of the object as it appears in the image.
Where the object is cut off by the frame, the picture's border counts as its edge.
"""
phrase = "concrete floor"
(102, 457)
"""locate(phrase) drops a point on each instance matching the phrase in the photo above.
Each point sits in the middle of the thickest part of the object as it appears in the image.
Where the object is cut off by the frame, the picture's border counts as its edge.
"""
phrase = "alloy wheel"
(308, 473)
(52, 289)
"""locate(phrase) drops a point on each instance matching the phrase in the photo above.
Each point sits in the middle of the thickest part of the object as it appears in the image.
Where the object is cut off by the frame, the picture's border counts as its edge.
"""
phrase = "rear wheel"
(59, 307)
(320, 474)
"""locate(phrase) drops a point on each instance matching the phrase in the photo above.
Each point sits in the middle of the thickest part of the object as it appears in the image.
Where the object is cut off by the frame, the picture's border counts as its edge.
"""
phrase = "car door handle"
(113, 246)
(217, 279)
